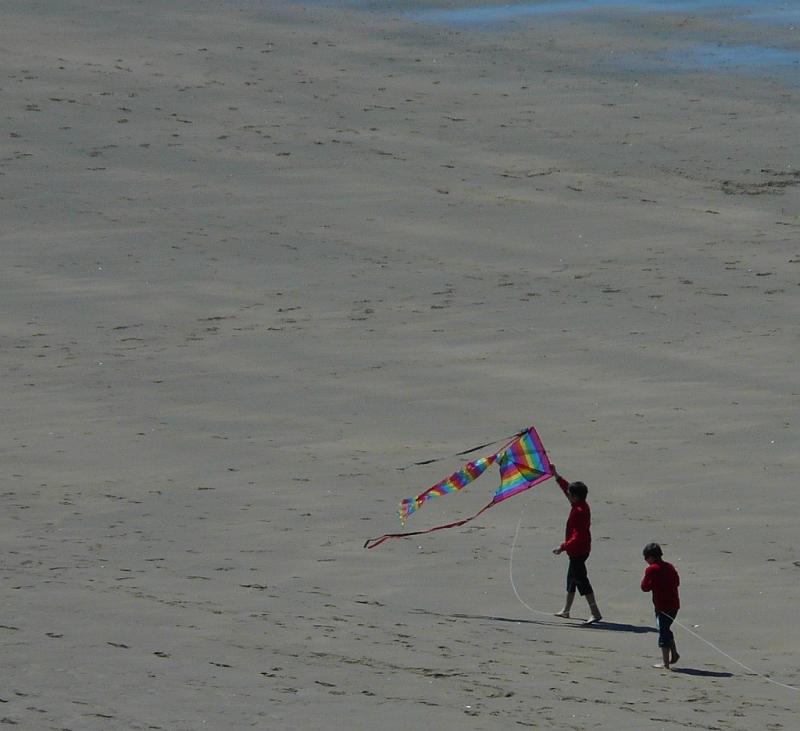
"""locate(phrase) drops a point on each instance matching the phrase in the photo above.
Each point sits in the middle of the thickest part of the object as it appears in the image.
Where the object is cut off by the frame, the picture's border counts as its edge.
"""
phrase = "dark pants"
(664, 622)
(577, 577)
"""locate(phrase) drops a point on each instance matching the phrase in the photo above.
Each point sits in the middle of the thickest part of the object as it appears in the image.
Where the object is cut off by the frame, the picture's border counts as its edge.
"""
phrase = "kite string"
(683, 626)
(511, 570)
(734, 660)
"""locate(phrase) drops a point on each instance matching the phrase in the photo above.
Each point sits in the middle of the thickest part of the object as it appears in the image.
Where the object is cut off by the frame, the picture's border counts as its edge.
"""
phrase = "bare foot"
(564, 614)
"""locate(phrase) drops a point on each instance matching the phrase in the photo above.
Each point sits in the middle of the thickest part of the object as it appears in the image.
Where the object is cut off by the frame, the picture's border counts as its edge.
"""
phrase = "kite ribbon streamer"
(463, 453)
(375, 542)
(523, 463)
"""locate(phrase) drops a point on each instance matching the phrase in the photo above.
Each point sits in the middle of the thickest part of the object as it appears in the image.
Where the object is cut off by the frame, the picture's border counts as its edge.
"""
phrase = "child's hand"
(558, 550)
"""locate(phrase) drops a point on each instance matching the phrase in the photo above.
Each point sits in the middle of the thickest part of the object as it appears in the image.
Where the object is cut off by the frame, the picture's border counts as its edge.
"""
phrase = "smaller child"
(662, 579)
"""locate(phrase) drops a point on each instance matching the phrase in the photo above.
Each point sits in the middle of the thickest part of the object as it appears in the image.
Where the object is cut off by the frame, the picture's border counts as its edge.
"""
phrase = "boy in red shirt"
(662, 579)
(577, 544)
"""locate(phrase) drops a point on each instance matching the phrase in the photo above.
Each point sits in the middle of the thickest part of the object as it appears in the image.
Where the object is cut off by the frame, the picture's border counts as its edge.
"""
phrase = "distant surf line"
(498, 13)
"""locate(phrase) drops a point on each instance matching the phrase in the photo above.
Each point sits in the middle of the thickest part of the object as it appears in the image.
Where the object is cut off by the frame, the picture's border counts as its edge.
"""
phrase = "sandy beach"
(259, 259)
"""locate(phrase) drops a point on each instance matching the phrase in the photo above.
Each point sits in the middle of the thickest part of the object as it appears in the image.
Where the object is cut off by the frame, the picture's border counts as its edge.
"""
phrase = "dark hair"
(652, 550)
(578, 490)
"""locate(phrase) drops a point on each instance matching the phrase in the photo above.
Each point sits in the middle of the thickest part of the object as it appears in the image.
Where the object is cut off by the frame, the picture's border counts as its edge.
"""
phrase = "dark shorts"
(664, 622)
(577, 577)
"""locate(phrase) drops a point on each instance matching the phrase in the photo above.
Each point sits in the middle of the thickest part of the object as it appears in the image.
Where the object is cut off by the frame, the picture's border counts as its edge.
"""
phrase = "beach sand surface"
(260, 259)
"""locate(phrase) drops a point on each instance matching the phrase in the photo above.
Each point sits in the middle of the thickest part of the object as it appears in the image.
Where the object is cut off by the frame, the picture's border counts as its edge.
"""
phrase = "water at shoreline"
(747, 59)
(746, 55)
(782, 13)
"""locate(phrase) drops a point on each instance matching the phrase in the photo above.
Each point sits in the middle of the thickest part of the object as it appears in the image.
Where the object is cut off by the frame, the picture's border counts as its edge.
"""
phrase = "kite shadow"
(702, 673)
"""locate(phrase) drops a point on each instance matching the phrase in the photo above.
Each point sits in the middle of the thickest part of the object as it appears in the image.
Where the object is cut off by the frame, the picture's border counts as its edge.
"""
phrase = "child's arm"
(562, 483)
(578, 525)
(571, 540)
(647, 581)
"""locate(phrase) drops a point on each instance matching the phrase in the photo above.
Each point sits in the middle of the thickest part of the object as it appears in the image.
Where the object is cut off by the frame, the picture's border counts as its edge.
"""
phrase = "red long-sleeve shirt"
(662, 579)
(577, 536)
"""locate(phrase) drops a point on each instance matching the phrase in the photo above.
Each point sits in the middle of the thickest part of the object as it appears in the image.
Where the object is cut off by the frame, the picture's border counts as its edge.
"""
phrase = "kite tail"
(375, 542)
(455, 482)
(407, 507)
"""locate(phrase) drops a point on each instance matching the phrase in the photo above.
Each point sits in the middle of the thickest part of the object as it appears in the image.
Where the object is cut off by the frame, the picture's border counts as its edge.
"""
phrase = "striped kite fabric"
(523, 464)
(458, 480)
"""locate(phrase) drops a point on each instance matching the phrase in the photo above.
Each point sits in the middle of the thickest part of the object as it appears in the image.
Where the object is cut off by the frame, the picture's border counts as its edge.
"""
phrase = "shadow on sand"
(702, 673)
(620, 627)
(575, 622)
(512, 620)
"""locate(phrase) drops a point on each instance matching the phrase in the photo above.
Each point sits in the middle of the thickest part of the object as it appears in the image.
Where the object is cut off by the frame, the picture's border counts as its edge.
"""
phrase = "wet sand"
(256, 259)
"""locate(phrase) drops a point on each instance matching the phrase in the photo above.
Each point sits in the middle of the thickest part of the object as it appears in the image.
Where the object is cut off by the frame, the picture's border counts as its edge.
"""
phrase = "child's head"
(652, 552)
(577, 490)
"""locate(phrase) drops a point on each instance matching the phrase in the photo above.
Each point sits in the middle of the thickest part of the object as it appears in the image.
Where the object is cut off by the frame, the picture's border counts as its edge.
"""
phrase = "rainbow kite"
(523, 463)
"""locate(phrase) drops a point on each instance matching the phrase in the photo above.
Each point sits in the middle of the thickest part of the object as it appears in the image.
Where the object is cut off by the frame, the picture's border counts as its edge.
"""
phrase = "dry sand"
(255, 259)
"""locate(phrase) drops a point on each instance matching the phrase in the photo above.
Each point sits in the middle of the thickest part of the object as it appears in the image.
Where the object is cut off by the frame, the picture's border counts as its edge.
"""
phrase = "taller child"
(577, 545)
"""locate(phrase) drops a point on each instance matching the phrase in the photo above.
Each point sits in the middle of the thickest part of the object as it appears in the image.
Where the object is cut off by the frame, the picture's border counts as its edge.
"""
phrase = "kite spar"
(523, 464)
